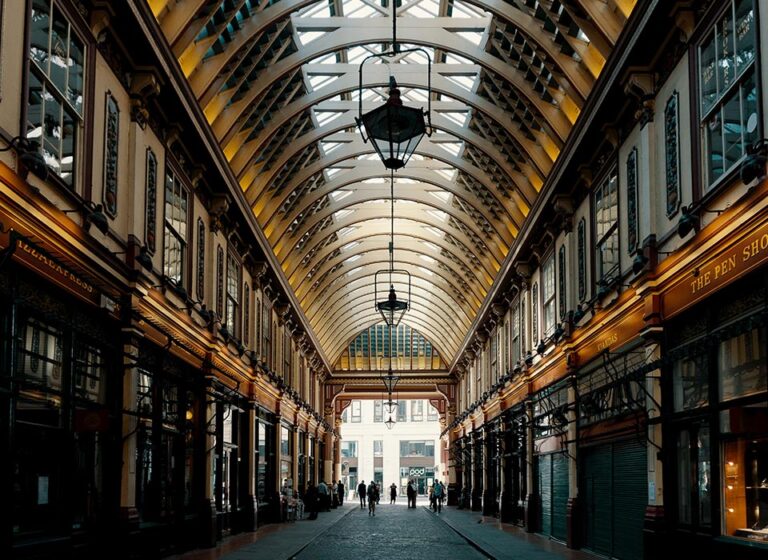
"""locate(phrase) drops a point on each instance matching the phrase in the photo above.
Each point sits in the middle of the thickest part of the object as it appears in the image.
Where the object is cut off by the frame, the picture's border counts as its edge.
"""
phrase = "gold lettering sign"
(607, 341)
(39, 260)
(717, 272)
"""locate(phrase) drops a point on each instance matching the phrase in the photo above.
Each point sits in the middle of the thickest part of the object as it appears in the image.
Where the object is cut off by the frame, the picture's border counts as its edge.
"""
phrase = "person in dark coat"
(361, 491)
(310, 501)
(340, 492)
(411, 493)
(392, 493)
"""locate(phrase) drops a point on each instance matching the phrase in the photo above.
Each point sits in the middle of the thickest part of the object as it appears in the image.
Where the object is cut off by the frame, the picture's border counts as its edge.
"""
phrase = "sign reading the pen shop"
(715, 273)
(36, 258)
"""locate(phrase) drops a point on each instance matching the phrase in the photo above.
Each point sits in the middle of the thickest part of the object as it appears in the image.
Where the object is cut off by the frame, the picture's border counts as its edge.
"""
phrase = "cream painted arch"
(224, 118)
(408, 76)
(368, 195)
(354, 147)
(526, 186)
(409, 242)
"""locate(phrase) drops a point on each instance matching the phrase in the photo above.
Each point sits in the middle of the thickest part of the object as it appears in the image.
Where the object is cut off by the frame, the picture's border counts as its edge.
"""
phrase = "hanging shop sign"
(417, 471)
(736, 260)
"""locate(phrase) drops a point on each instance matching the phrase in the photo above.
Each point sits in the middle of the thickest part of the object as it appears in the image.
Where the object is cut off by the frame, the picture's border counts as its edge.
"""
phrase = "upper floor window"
(378, 448)
(432, 413)
(356, 412)
(232, 308)
(402, 411)
(349, 449)
(730, 118)
(548, 295)
(175, 235)
(417, 411)
(607, 226)
(55, 95)
(378, 411)
(516, 342)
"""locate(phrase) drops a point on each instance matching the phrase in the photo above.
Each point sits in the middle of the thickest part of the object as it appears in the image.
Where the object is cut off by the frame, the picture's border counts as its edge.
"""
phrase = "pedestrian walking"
(323, 493)
(392, 493)
(373, 498)
(438, 492)
(310, 501)
(361, 493)
(340, 492)
(411, 493)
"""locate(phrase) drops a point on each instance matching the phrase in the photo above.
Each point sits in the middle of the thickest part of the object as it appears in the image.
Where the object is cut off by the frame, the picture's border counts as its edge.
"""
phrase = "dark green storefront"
(613, 481)
(553, 490)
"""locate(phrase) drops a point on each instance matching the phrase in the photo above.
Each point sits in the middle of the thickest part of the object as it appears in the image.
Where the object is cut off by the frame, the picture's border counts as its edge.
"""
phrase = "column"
(329, 457)
(532, 501)
(489, 466)
(208, 525)
(505, 498)
(479, 456)
(248, 454)
(129, 515)
(573, 517)
(295, 459)
(454, 454)
(654, 524)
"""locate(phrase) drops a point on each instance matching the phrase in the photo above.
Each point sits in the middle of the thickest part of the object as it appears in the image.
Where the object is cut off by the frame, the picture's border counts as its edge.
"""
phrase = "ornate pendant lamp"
(395, 130)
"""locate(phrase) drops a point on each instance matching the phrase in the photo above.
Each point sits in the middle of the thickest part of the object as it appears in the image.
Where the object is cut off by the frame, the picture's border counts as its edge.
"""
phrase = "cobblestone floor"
(395, 533)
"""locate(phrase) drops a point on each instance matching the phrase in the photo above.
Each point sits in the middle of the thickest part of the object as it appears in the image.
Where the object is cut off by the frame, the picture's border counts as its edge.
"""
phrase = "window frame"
(233, 299)
(83, 135)
(612, 232)
(546, 298)
(707, 29)
(185, 261)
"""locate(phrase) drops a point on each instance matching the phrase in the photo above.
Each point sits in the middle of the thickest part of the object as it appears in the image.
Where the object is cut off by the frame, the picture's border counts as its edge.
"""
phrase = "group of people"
(371, 494)
(311, 500)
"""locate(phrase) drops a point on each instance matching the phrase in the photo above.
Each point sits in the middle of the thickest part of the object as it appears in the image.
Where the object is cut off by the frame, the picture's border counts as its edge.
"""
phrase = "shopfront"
(550, 407)
(716, 433)
(514, 491)
(266, 466)
(60, 396)
(612, 453)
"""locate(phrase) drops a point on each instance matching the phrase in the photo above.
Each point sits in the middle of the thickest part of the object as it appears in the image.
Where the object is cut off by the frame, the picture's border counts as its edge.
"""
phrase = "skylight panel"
(427, 259)
(438, 214)
(329, 147)
(452, 148)
(340, 195)
(319, 10)
(319, 81)
(449, 174)
(459, 117)
(430, 245)
(451, 58)
(472, 36)
(341, 214)
(375, 181)
(333, 171)
(349, 245)
(354, 270)
(345, 231)
(465, 82)
(352, 259)
(306, 37)
(324, 117)
(463, 10)
(442, 196)
(422, 8)
(426, 271)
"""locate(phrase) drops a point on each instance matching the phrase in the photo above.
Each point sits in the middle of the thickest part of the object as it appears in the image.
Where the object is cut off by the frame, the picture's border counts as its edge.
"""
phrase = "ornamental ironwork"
(200, 259)
(582, 258)
(110, 155)
(220, 281)
(613, 389)
(150, 214)
(561, 282)
(632, 225)
(247, 315)
(672, 154)
(535, 313)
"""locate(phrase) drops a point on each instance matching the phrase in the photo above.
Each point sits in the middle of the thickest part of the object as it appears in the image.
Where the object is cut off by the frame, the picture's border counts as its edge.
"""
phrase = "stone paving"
(395, 533)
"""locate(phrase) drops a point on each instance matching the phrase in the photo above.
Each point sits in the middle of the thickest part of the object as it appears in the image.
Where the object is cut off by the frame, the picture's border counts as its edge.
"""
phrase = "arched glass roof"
(278, 82)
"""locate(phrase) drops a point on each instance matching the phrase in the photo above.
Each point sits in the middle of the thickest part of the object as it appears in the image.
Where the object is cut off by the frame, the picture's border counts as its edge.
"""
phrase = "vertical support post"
(573, 519)
(532, 501)
(251, 503)
(654, 525)
(129, 515)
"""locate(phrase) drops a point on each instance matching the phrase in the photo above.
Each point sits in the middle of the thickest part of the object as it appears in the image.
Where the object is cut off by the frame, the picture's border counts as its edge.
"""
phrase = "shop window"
(41, 357)
(548, 295)
(175, 236)
(742, 365)
(349, 449)
(607, 226)
(89, 373)
(694, 477)
(729, 104)
(690, 383)
(417, 448)
(265, 440)
(55, 95)
(356, 412)
(378, 448)
(745, 471)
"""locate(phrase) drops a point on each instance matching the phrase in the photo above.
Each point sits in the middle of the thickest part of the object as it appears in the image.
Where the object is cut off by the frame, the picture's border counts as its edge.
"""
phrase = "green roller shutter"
(559, 496)
(545, 492)
(613, 482)
(629, 490)
(596, 492)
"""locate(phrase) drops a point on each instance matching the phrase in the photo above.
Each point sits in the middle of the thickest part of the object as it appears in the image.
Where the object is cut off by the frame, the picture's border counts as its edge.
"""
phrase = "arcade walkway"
(396, 533)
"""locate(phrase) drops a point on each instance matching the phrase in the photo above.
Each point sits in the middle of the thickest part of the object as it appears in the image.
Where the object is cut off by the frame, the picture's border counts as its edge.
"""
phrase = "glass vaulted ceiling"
(278, 81)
